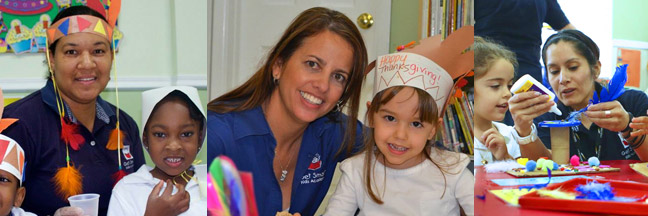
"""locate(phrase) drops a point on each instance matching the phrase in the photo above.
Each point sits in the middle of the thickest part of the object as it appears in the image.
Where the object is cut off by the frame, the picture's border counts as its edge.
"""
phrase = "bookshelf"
(444, 17)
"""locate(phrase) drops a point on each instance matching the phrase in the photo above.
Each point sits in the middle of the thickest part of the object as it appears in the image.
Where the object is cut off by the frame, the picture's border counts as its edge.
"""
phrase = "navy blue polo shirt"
(38, 132)
(612, 148)
(517, 25)
(246, 138)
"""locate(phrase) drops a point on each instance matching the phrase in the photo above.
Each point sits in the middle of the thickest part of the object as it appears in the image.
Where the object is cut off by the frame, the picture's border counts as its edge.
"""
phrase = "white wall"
(594, 18)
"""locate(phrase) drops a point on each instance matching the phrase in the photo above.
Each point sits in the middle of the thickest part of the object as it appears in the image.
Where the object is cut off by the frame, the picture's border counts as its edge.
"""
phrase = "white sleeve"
(343, 201)
(119, 205)
(465, 192)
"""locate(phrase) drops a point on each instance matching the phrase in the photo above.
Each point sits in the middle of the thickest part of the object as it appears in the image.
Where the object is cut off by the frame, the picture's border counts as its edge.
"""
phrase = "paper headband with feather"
(12, 156)
(432, 65)
(68, 180)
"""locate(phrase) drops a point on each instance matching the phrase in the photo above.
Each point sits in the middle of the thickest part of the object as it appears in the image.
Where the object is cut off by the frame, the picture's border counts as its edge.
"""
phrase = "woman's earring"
(275, 80)
(338, 106)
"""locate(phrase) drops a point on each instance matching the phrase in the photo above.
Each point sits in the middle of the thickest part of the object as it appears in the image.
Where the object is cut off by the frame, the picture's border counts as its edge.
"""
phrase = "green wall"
(629, 20)
(404, 23)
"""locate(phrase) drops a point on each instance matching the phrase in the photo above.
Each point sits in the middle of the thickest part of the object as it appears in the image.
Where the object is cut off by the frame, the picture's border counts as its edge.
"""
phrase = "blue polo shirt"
(38, 133)
(246, 138)
(611, 146)
(517, 24)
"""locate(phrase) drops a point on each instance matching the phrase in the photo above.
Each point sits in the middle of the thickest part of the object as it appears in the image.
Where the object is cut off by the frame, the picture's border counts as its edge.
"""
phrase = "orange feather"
(68, 181)
(113, 141)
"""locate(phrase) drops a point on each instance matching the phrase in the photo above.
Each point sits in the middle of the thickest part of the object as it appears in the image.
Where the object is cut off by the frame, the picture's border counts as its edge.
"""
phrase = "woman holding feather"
(572, 67)
(74, 141)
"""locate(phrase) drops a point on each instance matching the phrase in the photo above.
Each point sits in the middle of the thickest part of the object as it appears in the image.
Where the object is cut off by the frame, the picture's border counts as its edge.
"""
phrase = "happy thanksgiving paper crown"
(87, 23)
(431, 66)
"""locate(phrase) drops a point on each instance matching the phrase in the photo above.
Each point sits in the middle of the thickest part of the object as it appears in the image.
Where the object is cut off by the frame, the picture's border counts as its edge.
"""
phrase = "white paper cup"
(89, 202)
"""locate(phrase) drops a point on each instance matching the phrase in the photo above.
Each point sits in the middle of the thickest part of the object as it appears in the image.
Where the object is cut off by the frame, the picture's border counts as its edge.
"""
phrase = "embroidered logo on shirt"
(316, 163)
(126, 152)
(625, 143)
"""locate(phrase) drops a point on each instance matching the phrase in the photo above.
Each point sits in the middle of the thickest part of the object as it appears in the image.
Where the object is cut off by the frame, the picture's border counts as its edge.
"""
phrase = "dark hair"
(73, 11)
(487, 52)
(582, 44)
(194, 112)
(310, 22)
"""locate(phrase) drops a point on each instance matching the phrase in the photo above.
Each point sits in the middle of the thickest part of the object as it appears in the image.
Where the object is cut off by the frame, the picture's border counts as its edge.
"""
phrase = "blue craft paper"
(539, 180)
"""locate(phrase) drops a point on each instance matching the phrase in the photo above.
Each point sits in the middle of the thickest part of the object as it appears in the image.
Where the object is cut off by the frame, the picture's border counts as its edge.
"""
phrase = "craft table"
(492, 205)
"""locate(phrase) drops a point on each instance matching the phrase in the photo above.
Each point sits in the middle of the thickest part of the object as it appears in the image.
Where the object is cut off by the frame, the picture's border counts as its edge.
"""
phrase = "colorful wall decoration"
(23, 23)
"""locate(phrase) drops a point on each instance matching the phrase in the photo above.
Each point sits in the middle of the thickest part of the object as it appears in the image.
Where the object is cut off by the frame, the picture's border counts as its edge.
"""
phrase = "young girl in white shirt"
(174, 129)
(494, 72)
(401, 172)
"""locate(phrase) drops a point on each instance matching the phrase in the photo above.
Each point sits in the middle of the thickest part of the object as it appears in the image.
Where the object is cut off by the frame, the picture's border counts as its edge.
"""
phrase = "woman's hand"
(609, 115)
(69, 211)
(525, 107)
(640, 126)
(495, 143)
(167, 204)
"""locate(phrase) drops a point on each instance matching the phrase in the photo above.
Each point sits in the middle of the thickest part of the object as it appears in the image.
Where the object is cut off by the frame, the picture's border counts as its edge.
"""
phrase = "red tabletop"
(492, 205)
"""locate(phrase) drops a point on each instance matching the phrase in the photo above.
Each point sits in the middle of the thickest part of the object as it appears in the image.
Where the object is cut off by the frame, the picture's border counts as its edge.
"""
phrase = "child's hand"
(525, 107)
(167, 204)
(640, 126)
(495, 143)
(69, 211)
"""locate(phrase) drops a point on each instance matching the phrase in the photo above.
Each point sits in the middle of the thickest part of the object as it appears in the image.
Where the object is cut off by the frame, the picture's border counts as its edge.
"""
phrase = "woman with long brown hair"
(285, 125)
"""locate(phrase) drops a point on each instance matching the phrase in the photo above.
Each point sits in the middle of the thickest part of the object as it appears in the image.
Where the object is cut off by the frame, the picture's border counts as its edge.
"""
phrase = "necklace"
(284, 169)
(184, 175)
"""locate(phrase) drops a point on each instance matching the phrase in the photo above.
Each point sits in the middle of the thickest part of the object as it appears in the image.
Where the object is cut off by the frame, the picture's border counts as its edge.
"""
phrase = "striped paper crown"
(12, 157)
(79, 23)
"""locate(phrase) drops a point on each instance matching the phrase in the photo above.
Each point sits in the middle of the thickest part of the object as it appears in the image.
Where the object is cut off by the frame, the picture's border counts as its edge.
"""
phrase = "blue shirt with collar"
(38, 133)
(246, 138)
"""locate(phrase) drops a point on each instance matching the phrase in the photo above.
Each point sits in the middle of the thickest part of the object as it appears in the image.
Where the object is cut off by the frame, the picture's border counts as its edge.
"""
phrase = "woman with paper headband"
(285, 124)
(572, 65)
(75, 142)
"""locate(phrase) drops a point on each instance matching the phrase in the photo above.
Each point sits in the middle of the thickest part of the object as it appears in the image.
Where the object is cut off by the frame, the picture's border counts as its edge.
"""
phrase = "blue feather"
(615, 88)
(616, 84)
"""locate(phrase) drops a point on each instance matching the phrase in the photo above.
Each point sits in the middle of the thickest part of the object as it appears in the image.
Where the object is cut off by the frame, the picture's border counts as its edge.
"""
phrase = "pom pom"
(68, 181)
(547, 165)
(540, 162)
(593, 161)
(555, 166)
(522, 161)
(531, 165)
(113, 140)
(574, 160)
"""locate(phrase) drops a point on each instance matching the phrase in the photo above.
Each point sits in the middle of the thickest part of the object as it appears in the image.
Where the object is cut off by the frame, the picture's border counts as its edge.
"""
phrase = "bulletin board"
(23, 23)
(636, 56)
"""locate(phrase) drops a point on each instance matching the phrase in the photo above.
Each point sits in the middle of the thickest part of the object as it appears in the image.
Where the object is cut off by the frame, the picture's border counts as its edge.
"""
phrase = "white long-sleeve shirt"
(412, 191)
(17, 211)
(130, 195)
(482, 153)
